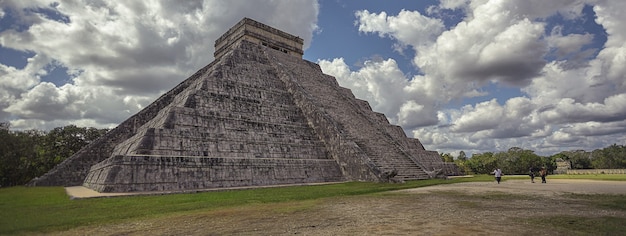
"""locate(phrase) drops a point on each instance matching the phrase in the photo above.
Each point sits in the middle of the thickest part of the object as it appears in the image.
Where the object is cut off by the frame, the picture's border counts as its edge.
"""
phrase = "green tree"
(611, 157)
(549, 163)
(25, 155)
(519, 161)
(483, 163)
(17, 155)
(462, 156)
(461, 162)
(447, 157)
(61, 143)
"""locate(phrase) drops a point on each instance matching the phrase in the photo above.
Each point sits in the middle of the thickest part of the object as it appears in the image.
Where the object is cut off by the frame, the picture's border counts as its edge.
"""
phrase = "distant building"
(562, 166)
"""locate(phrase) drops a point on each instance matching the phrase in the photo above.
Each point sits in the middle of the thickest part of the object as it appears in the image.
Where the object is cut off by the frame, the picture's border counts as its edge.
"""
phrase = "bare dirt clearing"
(477, 208)
(552, 187)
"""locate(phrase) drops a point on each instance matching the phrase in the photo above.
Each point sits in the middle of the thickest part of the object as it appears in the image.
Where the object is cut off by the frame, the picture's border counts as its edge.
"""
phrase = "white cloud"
(593, 128)
(576, 100)
(484, 116)
(14, 81)
(120, 55)
(613, 56)
(453, 4)
(567, 44)
(410, 114)
(568, 111)
(386, 89)
(408, 27)
(42, 102)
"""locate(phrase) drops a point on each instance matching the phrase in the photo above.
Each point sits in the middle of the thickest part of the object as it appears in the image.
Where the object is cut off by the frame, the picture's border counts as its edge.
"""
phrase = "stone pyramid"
(258, 115)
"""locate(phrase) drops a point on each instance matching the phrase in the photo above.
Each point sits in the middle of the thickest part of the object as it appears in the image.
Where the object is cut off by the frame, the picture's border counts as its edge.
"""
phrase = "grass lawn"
(48, 209)
(43, 209)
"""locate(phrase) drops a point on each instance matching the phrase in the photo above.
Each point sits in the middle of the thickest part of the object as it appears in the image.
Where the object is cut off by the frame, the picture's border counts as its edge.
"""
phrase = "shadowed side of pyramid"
(366, 138)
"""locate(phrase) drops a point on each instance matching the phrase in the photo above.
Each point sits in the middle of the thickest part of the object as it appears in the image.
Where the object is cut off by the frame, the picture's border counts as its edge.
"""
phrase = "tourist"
(543, 172)
(531, 173)
(498, 173)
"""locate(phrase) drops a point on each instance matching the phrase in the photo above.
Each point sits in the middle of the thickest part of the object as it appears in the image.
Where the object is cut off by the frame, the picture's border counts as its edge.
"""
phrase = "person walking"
(498, 173)
(543, 172)
(531, 173)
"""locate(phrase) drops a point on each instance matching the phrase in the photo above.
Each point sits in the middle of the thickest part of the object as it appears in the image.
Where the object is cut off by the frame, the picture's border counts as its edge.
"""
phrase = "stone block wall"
(260, 34)
(241, 110)
(356, 136)
(73, 170)
(593, 171)
(179, 173)
(386, 146)
(431, 160)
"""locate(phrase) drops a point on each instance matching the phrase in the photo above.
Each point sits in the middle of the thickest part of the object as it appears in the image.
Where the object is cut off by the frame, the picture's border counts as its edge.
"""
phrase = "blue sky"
(470, 75)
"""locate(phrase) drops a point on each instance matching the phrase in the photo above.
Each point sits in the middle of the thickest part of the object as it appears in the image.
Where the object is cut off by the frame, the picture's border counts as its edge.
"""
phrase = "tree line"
(519, 161)
(27, 154)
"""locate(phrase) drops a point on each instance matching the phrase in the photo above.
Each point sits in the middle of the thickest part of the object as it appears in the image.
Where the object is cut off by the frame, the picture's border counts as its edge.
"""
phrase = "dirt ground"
(456, 209)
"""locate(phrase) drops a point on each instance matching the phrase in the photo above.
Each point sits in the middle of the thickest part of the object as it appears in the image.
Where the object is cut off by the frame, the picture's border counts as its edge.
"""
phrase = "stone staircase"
(354, 121)
(241, 110)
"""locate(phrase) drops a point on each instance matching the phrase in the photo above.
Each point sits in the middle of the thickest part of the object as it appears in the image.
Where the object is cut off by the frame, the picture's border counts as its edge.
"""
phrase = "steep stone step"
(339, 109)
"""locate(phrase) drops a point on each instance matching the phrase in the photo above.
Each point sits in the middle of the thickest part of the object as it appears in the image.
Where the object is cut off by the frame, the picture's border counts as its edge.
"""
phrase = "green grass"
(48, 209)
(605, 201)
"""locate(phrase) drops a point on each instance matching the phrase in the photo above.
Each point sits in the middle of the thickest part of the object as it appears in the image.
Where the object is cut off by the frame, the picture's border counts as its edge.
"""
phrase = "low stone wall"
(595, 171)
(173, 173)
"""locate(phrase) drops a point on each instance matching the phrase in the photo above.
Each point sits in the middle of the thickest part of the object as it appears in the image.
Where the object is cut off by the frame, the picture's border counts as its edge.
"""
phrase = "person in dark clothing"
(531, 173)
(543, 172)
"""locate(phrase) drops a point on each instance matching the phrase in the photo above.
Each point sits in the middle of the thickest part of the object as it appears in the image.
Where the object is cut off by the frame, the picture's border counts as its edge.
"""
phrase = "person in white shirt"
(498, 173)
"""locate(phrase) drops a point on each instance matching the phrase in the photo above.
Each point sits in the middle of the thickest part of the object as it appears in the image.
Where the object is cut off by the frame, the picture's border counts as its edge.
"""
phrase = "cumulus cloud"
(568, 111)
(572, 96)
(387, 90)
(453, 4)
(568, 44)
(408, 27)
(119, 56)
(612, 56)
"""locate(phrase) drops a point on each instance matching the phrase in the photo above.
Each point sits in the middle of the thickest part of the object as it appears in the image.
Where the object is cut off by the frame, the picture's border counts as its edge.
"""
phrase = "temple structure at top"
(261, 34)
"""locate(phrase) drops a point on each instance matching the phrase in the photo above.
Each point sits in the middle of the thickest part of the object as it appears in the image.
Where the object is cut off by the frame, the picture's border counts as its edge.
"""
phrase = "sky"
(460, 75)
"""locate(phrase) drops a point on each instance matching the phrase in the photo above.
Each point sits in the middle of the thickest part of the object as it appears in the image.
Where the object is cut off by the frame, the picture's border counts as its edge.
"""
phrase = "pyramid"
(258, 115)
